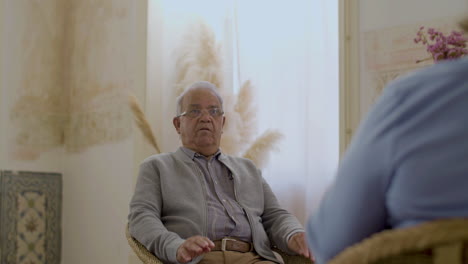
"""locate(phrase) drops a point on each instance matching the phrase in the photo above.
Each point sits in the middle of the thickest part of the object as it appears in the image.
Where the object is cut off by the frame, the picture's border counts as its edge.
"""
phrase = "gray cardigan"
(169, 205)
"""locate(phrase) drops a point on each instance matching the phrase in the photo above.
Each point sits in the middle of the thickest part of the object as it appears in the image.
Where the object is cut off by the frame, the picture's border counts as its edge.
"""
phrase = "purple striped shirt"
(226, 218)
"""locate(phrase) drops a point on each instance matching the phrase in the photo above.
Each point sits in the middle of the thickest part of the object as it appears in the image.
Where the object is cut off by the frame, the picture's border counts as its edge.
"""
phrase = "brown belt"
(230, 244)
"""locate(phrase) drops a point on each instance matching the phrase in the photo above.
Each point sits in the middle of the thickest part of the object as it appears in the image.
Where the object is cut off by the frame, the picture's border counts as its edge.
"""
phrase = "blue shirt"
(408, 162)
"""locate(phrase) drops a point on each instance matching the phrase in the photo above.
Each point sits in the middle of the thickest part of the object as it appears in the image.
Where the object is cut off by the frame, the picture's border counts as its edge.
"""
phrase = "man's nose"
(205, 116)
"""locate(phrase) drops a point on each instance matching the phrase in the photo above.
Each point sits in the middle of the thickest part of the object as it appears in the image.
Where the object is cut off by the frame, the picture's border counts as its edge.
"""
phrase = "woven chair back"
(435, 242)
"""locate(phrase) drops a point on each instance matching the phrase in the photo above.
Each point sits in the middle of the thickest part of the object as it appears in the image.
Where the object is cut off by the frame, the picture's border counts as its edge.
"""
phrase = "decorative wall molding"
(349, 70)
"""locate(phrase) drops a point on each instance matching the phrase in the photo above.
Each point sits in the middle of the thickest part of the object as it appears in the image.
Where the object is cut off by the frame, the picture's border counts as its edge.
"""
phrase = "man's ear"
(176, 123)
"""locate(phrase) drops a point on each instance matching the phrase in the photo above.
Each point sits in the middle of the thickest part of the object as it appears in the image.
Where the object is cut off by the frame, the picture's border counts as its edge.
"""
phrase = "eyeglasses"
(194, 113)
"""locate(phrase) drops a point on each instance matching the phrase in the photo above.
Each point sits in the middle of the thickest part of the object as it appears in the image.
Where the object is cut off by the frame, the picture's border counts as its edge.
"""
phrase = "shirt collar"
(192, 154)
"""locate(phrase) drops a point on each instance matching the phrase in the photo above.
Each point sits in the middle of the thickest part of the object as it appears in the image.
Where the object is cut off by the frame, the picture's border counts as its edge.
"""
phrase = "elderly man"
(199, 205)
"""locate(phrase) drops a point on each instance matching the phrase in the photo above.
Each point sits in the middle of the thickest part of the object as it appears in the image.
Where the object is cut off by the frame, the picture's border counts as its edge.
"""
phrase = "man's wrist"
(292, 234)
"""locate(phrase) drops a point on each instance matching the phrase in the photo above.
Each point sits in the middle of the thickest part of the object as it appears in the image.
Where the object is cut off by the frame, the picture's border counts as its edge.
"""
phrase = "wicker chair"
(435, 242)
(147, 257)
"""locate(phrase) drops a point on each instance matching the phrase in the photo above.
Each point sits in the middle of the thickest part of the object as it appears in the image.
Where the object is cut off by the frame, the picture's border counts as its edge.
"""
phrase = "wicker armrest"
(142, 253)
(148, 258)
(435, 242)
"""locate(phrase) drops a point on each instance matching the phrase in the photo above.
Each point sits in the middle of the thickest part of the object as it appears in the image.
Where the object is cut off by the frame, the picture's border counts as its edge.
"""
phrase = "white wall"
(97, 190)
(109, 61)
(377, 14)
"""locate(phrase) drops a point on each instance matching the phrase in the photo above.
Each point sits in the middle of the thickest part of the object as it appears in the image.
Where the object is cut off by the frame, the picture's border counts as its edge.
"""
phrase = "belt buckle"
(223, 243)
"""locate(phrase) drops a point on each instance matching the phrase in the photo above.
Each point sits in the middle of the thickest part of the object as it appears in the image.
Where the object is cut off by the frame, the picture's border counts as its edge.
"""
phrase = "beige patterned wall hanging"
(78, 69)
(102, 73)
(38, 112)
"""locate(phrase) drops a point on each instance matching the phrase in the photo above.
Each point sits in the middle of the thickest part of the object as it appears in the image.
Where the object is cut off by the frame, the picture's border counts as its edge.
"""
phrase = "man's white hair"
(197, 86)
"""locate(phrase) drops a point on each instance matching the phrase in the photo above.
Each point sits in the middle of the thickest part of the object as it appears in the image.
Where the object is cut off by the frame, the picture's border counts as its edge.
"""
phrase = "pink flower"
(442, 47)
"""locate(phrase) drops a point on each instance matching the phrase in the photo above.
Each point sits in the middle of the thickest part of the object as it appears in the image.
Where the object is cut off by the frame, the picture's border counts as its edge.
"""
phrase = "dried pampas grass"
(259, 150)
(231, 142)
(198, 58)
(142, 123)
(247, 112)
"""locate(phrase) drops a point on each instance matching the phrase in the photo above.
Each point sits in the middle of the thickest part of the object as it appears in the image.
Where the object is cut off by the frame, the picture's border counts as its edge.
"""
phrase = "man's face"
(203, 133)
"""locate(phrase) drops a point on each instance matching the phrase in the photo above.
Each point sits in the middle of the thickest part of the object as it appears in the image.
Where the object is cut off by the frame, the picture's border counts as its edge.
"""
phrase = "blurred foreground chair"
(148, 258)
(435, 242)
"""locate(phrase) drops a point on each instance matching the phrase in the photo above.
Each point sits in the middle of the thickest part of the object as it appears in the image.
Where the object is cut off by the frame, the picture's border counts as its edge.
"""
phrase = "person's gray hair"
(197, 86)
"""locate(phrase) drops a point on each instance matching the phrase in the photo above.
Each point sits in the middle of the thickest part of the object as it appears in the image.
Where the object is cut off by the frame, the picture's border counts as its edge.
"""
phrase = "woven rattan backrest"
(436, 242)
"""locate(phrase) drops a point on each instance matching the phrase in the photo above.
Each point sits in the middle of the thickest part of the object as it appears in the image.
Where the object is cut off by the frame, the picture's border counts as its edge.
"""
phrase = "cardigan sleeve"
(278, 223)
(145, 216)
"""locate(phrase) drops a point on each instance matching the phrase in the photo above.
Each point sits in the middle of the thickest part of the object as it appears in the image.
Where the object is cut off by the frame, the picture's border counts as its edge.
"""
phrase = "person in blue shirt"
(407, 164)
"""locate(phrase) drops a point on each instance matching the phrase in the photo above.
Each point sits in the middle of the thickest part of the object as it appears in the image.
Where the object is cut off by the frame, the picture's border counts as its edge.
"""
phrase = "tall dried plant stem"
(142, 122)
(198, 58)
(263, 145)
(247, 113)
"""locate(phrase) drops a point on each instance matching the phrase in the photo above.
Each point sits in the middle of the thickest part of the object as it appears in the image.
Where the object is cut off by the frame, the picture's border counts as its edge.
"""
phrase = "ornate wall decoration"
(106, 120)
(391, 52)
(30, 217)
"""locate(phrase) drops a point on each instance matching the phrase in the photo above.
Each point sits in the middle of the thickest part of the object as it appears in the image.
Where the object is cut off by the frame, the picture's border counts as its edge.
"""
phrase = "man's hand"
(298, 244)
(193, 247)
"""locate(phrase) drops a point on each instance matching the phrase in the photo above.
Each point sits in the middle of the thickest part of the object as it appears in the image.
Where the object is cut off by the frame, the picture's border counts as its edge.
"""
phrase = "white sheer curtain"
(289, 50)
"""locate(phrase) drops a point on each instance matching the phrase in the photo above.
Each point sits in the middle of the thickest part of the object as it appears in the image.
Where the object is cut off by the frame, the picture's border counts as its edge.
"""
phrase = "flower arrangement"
(440, 46)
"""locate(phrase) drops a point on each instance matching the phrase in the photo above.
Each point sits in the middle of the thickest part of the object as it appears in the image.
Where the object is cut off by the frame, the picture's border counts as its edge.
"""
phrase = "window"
(289, 51)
